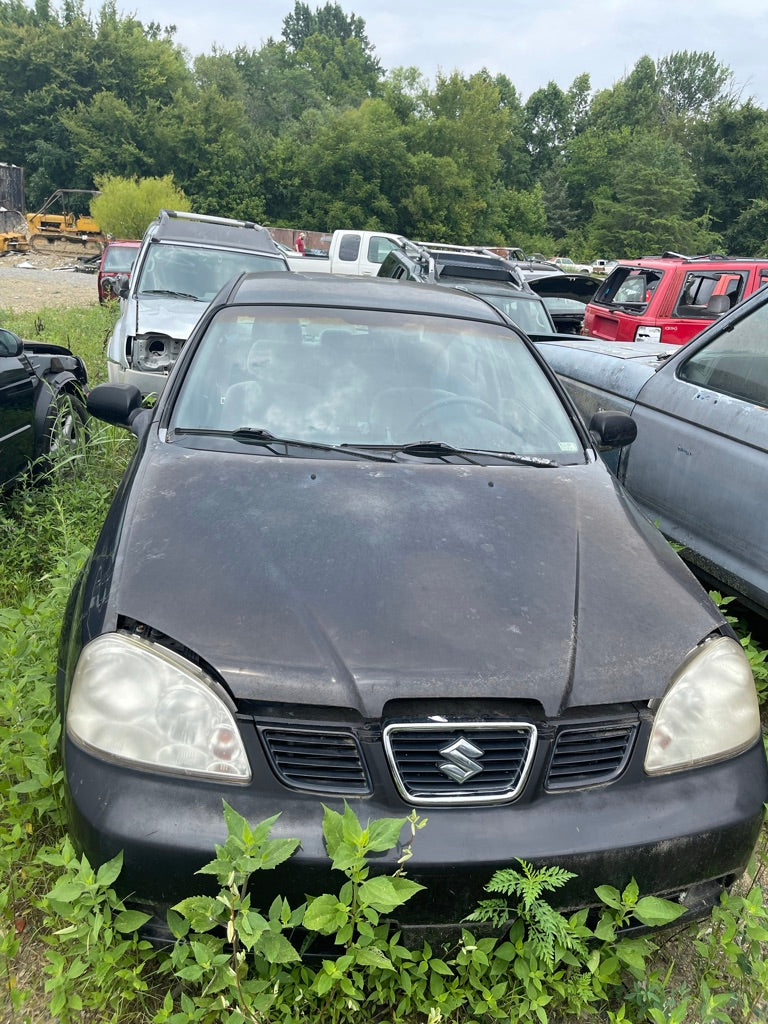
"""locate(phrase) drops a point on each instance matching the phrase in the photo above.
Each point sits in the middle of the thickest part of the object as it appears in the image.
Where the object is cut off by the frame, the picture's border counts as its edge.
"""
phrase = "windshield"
(197, 272)
(119, 257)
(366, 378)
(527, 311)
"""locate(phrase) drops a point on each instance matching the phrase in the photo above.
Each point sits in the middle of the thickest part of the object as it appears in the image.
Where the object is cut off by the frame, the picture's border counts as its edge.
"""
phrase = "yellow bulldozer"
(13, 232)
(56, 228)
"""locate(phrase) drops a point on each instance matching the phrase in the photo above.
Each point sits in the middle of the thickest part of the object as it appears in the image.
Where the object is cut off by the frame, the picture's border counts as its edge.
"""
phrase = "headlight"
(709, 712)
(135, 701)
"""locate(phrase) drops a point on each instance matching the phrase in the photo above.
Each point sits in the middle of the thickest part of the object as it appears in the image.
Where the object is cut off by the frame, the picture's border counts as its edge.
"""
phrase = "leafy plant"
(548, 931)
(757, 655)
(91, 934)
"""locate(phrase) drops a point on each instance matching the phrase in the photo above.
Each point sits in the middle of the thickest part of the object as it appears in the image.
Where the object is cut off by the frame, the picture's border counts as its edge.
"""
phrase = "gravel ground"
(29, 282)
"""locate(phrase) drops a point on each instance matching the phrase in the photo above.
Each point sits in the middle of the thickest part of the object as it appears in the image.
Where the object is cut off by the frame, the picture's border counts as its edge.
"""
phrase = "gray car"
(699, 463)
(184, 259)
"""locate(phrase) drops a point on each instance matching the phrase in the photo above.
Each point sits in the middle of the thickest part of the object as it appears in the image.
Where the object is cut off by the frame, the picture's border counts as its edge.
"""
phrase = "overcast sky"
(533, 43)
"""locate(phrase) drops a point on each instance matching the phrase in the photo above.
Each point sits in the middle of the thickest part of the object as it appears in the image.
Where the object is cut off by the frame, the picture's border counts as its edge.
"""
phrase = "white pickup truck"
(351, 252)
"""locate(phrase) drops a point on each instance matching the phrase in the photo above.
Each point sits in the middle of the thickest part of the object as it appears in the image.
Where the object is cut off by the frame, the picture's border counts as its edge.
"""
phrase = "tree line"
(309, 130)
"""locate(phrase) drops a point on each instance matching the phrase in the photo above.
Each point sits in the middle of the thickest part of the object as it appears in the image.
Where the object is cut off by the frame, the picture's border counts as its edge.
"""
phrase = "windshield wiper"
(168, 291)
(439, 449)
(259, 436)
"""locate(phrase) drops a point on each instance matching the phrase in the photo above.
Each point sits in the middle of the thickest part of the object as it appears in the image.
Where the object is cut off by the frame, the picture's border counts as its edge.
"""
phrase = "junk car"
(367, 552)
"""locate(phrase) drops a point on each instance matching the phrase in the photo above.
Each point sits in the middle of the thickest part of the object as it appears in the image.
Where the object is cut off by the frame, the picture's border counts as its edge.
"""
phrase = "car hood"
(347, 584)
(618, 368)
(161, 314)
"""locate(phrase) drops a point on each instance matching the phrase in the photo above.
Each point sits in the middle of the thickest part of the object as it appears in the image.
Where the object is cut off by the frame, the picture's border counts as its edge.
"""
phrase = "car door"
(17, 393)
(700, 461)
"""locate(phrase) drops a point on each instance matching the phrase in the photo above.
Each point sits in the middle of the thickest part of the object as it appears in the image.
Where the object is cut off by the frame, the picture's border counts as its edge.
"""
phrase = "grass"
(716, 972)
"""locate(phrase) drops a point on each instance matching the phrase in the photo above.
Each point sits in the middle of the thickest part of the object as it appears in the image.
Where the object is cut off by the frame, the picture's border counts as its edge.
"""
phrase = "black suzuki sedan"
(366, 552)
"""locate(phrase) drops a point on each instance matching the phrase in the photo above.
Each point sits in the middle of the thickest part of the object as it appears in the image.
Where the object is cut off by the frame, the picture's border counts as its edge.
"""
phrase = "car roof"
(341, 291)
(175, 226)
(486, 286)
(673, 259)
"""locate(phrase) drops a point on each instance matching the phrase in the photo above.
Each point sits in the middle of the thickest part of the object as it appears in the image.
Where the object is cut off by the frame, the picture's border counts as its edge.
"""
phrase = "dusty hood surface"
(619, 368)
(345, 583)
(163, 314)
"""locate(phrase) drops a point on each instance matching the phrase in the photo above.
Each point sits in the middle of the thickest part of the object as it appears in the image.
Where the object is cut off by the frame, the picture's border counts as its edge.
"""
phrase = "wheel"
(65, 432)
(443, 403)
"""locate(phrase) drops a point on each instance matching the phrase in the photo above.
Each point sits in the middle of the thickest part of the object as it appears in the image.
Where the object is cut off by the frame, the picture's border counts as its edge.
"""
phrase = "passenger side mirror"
(612, 429)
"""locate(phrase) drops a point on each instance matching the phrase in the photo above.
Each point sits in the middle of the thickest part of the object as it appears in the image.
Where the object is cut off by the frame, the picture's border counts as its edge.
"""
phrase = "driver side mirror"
(120, 285)
(612, 429)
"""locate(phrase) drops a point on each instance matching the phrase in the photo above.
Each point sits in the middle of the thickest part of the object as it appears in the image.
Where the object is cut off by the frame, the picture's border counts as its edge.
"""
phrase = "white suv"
(183, 262)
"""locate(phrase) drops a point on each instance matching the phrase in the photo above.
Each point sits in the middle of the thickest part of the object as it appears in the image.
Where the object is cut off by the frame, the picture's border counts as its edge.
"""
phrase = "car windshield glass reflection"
(528, 313)
(373, 379)
(197, 272)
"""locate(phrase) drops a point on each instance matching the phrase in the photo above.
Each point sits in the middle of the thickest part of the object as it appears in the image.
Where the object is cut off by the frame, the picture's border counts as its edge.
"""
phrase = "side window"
(699, 288)
(735, 362)
(349, 248)
(378, 247)
(9, 343)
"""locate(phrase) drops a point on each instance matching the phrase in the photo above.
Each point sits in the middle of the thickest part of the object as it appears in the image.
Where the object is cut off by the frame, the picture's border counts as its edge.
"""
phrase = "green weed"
(236, 962)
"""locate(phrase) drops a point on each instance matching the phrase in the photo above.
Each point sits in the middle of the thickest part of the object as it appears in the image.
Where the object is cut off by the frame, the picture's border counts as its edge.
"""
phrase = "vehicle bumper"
(669, 833)
(147, 383)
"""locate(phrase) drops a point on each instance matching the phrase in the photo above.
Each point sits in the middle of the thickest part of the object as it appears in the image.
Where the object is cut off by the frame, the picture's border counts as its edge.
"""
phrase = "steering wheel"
(443, 403)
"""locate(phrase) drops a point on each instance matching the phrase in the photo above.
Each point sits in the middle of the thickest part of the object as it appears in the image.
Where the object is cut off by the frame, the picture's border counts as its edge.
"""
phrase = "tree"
(334, 46)
(546, 126)
(464, 118)
(648, 206)
(329, 20)
(125, 207)
(730, 154)
(340, 169)
(692, 84)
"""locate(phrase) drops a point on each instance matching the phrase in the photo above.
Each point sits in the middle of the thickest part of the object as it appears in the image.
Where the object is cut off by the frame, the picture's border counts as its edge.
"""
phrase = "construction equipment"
(13, 232)
(64, 232)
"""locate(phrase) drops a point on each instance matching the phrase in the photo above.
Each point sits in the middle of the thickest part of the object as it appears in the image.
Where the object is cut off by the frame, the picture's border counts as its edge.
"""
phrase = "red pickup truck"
(669, 298)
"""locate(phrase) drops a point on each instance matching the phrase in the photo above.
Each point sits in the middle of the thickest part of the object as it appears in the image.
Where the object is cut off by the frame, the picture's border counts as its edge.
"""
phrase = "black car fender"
(52, 385)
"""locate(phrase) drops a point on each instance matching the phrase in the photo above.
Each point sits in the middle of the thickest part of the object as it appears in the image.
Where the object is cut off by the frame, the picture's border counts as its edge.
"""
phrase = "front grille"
(460, 762)
(589, 756)
(319, 761)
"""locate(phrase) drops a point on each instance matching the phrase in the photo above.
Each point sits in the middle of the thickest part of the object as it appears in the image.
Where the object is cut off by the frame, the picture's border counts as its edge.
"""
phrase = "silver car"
(700, 460)
(183, 262)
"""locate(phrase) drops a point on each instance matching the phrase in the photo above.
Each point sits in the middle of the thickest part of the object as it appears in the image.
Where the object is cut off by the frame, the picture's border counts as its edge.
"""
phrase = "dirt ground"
(32, 281)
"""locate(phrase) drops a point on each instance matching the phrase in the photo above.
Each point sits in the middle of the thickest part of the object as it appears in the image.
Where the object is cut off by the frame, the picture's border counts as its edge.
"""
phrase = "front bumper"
(671, 833)
(147, 383)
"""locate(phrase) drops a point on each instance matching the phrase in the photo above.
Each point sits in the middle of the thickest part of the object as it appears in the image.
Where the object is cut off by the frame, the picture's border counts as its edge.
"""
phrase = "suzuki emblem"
(458, 764)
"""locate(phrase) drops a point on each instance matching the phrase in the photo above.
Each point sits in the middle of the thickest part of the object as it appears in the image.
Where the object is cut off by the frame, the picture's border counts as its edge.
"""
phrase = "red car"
(669, 298)
(117, 259)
